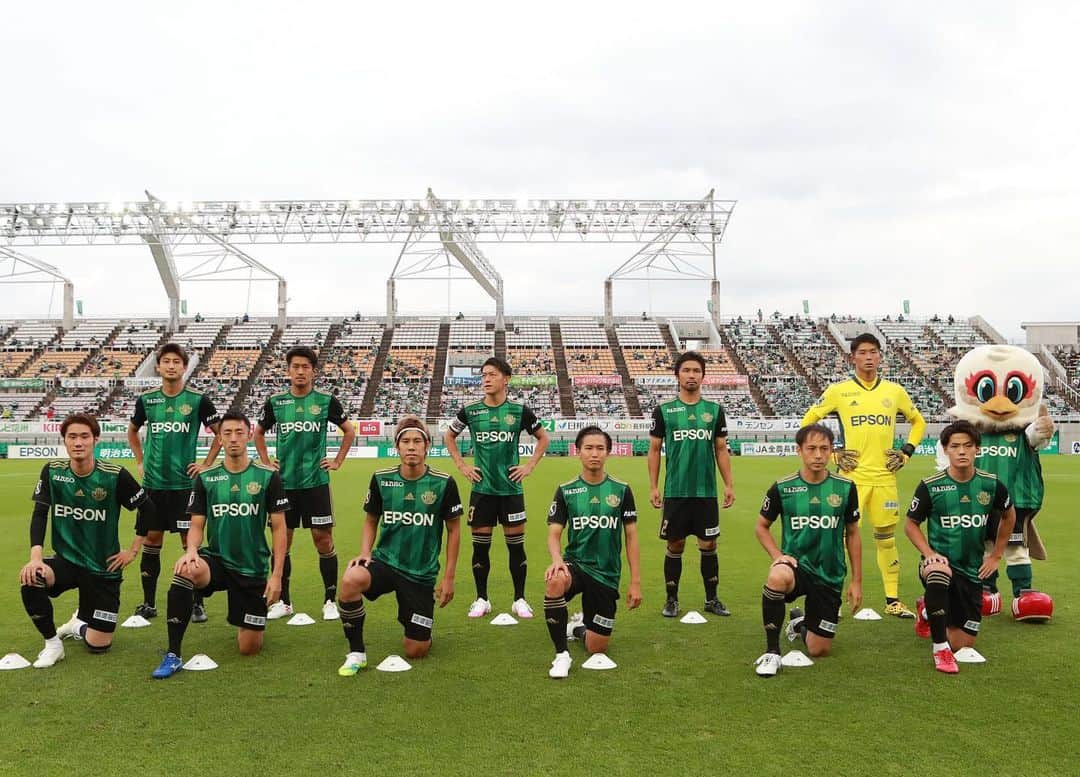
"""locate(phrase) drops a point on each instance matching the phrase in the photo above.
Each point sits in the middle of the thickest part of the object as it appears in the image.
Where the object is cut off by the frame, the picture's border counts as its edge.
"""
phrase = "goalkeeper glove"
(846, 459)
(896, 459)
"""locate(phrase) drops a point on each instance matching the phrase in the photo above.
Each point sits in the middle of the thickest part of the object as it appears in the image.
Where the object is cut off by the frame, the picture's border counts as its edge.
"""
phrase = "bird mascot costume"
(999, 389)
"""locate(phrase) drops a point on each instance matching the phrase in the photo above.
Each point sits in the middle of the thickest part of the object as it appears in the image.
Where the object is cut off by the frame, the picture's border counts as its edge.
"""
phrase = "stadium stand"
(19, 405)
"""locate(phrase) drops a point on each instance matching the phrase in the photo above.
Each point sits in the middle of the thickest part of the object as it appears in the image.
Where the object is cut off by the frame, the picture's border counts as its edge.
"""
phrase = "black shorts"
(492, 510)
(247, 607)
(965, 603)
(99, 597)
(415, 601)
(1024, 515)
(598, 601)
(686, 515)
(822, 607)
(170, 510)
(310, 508)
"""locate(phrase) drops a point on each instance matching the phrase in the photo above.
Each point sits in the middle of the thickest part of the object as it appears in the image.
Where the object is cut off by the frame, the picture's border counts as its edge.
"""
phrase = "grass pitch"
(684, 699)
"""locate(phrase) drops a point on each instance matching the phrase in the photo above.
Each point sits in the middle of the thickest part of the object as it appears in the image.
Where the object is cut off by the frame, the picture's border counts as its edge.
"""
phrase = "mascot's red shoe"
(991, 603)
(1034, 606)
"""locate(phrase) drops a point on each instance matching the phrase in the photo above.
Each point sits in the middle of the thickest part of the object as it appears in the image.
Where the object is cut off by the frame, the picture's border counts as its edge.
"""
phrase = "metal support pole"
(609, 304)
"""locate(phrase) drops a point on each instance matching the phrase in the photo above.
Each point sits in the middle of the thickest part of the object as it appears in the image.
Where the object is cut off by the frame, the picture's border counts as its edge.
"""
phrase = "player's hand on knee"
(846, 459)
(555, 570)
(359, 561)
(33, 573)
(187, 564)
(118, 561)
(786, 560)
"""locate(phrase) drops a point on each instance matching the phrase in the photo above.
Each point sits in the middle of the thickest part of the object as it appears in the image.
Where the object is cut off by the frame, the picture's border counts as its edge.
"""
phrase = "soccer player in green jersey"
(173, 416)
(819, 514)
(407, 507)
(302, 415)
(231, 504)
(84, 497)
(958, 505)
(497, 495)
(693, 433)
(597, 512)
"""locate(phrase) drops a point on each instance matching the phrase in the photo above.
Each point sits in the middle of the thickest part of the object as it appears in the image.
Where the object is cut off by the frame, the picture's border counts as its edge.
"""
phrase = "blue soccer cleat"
(170, 665)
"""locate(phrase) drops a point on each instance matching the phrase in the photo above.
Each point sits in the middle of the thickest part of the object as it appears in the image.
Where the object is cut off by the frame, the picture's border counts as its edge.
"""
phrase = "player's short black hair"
(501, 365)
(690, 356)
(591, 430)
(174, 348)
(960, 427)
(81, 418)
(236, 415)
(809, 429)
(301, 352)
(866, 338)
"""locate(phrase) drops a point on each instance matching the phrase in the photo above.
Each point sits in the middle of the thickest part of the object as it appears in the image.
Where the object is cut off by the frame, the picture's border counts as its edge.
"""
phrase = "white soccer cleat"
(354, 662)
(278, 610)
(521, 609)
(560, 667)
(577, 619)
(329, 611)
(70, 630)
(53, 652)
(767, 665)
(480, 608)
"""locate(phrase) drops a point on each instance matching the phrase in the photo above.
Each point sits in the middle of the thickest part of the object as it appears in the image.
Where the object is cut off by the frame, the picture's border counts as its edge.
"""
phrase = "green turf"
(684, 699)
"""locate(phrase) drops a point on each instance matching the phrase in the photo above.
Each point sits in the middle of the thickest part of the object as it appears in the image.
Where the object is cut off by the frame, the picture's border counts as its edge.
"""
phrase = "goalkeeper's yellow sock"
(888, 560)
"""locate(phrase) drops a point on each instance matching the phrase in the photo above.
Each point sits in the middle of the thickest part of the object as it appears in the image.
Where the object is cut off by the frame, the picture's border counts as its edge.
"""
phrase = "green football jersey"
(958, 515)
(301, 434)
(814, 518)
(594, 516)
(172, 432)
(1009, 456)
(411, 516)
(237, 507)
(496, 432)
(688, 432)
(85, 511)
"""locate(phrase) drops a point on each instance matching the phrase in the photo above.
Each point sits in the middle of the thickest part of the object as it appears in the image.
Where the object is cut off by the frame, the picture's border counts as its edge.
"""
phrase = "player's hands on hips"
(272, 464)
(118, 561)
(189, 562)
(655, 499)
(895, 460)
(330, 465)
(444, 592)
(520, 472)
(195, 468)
(989, 566)
(854, 595)
(729, 496)
(470, 472)
(633, 596)
(558, 568)
(33, 573)
(272, 592)
(846, 459)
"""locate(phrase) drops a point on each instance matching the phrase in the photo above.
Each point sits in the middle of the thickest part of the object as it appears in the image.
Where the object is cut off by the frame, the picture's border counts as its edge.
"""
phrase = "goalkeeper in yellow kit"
(867, 406)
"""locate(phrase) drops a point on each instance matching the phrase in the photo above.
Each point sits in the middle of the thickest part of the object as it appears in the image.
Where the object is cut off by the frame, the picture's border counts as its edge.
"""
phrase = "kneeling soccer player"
(230, 503)
(407, 507)
(599, 511)
(958, 505)
(820, 516)
(84, 496)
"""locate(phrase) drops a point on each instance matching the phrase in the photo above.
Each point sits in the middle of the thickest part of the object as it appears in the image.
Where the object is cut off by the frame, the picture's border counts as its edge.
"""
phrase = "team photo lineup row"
(408, 509)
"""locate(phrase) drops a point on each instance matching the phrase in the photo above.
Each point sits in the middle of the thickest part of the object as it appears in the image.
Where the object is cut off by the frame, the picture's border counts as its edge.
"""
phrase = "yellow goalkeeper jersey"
(867, 415)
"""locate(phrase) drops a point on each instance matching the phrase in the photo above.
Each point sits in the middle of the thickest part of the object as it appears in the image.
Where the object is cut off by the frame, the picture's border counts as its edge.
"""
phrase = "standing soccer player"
(958, 505)
(407, 507)
(173, 416)
(231, 504)
(301, 415)
(497, 494)
(867, 405)
(819, 514)
(599, 511)
(84, 497)
(693, 433)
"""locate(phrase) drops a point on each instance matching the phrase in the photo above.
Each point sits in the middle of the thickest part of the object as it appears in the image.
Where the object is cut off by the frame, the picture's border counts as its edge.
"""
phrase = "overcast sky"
(878, 152)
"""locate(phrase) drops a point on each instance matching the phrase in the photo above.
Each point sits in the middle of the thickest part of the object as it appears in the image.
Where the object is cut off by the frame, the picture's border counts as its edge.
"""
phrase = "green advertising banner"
(534, 380)
(22, 383)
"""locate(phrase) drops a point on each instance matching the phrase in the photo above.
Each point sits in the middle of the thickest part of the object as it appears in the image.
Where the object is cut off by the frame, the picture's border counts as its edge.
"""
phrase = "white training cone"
(394, 664)
(867, 614)
(599, 661)
(504, 619)
(693, 617)
(200, 663)
(969, 655)
(13, 661)
(135, 622)
(300, 619)
(796, 658)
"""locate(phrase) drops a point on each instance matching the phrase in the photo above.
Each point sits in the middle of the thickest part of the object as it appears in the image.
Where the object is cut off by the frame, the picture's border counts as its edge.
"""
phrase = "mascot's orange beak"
(1000, 408)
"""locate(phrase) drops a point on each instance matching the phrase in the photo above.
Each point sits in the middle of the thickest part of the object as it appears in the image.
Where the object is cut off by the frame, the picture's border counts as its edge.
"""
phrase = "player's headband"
(423, 431)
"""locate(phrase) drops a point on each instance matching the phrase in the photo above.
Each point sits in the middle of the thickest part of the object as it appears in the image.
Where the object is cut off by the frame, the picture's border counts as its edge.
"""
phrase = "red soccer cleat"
(945, 661)
(922, 625)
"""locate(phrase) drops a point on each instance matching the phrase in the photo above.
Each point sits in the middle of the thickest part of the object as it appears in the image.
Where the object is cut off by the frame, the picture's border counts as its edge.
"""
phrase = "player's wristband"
(907, 449)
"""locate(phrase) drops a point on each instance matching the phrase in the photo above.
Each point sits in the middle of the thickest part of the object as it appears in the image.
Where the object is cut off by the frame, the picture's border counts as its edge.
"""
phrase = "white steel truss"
(20, 268)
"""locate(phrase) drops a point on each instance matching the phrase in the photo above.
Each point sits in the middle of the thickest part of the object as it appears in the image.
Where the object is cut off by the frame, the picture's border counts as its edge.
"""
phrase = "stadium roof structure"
(677, 238)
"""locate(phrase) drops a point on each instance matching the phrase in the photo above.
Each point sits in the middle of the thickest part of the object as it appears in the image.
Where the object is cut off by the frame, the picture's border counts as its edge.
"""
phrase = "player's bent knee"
(356, 580)
(249, 642)
(939, 567)
(415, 649)
(958, 638)
(97, 641)
(557, 585)
(596, 643)
(781, 578)
(817, 647)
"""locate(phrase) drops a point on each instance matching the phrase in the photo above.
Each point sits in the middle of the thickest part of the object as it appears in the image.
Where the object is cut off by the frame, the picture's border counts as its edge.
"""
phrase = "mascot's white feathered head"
(998, 387)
